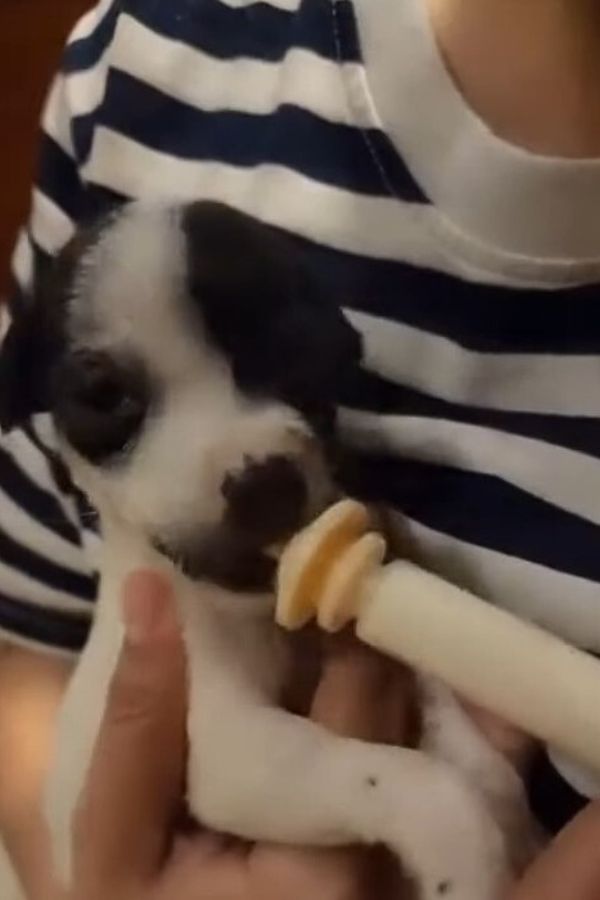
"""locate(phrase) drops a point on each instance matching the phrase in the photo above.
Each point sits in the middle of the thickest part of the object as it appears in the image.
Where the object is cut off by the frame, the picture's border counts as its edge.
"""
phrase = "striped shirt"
(469, 265)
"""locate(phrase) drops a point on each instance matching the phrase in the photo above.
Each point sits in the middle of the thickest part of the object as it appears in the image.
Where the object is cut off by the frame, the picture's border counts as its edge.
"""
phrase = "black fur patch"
(36, 338)
(224, 558)
(266, 500)
(283, 337)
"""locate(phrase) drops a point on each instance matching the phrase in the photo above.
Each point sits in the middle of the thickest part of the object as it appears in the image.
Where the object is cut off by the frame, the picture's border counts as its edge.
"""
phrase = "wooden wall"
(32, 33)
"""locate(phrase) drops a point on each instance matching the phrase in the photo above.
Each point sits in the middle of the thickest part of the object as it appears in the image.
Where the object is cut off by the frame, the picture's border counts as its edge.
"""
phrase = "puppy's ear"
(36, 337)
(325, 349)
(24, 368)
(264, 305)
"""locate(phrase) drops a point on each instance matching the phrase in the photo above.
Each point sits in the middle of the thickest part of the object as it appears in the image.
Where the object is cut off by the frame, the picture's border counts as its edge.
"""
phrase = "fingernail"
(148, 608)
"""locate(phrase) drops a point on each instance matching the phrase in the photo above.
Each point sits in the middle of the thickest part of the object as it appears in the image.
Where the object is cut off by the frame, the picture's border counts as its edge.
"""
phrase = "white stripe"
(88, 23)
(584, 781)
(85, 90)
(56, 118)
(558, 476)
(37, 536)
(43, 426)
(251, 86)
(51, 228)
(22, 587)
(286, 5)
(22, 261)
(93, 546)
(518, 382)
(5, 321)
(377, 227)
(564, 604)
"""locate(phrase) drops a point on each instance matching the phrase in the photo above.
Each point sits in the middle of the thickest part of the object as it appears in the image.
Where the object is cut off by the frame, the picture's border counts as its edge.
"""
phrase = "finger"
(296, 873)
(570, 868)
(362, 695)
(136, 773)
(200, 868)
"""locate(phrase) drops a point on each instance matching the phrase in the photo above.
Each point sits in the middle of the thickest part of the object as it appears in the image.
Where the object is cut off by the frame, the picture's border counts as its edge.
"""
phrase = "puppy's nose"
(266, 500)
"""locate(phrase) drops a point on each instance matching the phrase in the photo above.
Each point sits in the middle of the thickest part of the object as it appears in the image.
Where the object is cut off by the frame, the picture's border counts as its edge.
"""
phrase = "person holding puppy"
(126, 845)
(439, 162)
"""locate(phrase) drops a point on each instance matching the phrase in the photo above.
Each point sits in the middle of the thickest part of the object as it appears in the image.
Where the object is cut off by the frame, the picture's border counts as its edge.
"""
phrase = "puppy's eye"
(99, 387)
(100, 404)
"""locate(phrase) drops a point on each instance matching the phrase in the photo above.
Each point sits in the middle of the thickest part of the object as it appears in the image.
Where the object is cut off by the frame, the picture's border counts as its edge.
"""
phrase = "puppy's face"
(191, 368)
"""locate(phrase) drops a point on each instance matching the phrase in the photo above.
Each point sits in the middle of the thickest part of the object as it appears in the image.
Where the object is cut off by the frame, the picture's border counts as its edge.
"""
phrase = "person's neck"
(530, 68)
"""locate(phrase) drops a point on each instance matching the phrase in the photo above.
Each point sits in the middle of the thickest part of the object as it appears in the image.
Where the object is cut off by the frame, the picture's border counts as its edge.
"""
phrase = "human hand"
(126, 842)
(569, 868)
(127, 845)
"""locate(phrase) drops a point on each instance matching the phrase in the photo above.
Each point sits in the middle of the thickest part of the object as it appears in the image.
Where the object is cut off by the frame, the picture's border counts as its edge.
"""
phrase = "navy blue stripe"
(375, 394)
(68, 631)
(41, 569)
(256, 31)
(292, 137)
(482, 510)
(58, 178)
(42, 261)
(82, 130)
(481, 317)
(347, 30)
(86, 52)
(35, 501)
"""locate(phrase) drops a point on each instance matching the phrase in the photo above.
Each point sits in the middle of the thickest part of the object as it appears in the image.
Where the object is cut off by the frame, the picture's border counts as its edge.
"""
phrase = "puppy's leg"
(263, 774)
(450, 735)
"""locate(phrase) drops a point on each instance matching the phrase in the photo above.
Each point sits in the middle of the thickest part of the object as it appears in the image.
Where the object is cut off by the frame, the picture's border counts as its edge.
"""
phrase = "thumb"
(136, 775)
(570, 868)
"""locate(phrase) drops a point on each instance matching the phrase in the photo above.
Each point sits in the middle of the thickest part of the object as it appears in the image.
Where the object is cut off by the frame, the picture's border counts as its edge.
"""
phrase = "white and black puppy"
(190, 364)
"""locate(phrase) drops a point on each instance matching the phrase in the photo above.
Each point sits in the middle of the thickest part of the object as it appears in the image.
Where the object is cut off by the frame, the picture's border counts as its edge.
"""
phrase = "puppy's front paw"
(456, 849)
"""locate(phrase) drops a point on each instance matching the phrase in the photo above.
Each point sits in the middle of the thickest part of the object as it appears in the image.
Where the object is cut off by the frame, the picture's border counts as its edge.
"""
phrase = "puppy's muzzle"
(266, 501)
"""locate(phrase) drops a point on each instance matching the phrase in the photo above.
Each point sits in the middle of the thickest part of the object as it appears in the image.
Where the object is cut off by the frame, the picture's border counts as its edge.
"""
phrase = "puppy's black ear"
(24, 367)
(266, 309)
(319, 348)
(333, 346)
(36, 337)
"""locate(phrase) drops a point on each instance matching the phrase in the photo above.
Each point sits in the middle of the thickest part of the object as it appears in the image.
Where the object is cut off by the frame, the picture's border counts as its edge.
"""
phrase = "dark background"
(32, 33)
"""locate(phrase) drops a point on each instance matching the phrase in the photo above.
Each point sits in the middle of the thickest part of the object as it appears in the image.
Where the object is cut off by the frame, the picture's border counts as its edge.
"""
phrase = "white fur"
(254, 770)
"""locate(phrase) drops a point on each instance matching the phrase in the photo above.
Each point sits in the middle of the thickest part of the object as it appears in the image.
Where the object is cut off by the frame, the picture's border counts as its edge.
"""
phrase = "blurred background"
(32, 33)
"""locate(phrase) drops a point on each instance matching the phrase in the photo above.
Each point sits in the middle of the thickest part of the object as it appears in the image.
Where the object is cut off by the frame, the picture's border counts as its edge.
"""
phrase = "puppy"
(190, 364)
